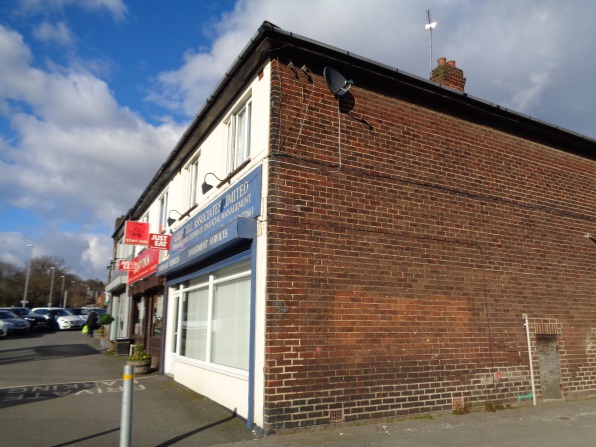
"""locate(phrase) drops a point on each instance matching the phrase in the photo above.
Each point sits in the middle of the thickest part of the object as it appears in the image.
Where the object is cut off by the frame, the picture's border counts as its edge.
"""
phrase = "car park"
(12, 323)
(61, 318)
(36, 322)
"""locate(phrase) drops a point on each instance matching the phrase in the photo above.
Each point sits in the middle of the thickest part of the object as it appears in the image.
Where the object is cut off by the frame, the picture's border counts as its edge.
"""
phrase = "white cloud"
(58, 33)
(526, 96)
(87, 254)
(98, 253)
(79, 159)
(117, 8)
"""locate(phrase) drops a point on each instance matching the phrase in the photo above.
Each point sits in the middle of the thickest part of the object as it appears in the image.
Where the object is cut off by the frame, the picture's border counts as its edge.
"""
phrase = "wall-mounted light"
(205, 187)
(171, 220)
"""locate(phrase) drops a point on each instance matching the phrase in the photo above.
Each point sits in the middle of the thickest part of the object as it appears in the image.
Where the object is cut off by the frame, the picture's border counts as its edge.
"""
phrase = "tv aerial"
(336, 82)
(430, 26)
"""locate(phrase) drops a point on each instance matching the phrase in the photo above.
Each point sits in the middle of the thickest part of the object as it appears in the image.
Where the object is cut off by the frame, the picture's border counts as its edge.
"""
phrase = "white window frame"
(163, 212)
(209, 283)
(239, 132)
(193, 182)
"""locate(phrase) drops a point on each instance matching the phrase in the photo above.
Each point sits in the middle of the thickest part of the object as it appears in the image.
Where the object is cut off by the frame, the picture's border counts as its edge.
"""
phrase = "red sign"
(136, 233)
(159, 241)
(126, 265)
(144, 265)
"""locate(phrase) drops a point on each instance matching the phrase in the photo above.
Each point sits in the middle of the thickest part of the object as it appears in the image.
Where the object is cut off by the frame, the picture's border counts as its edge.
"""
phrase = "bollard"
(126, 417)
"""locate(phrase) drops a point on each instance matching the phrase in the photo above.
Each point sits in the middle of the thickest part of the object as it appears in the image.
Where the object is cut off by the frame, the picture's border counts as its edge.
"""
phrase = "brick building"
(404, 247)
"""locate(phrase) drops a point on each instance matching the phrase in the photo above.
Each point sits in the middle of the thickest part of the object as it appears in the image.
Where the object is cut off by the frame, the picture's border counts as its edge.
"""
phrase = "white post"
(126, 416)
(62, 299)
(27, 278)
(525, 317)
(51, 286)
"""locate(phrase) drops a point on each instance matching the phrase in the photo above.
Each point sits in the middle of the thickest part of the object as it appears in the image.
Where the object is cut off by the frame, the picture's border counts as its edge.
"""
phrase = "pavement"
(64, 390)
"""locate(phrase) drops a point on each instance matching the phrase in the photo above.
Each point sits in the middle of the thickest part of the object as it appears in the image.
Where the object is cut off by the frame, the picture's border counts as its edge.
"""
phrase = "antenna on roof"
(430, 26)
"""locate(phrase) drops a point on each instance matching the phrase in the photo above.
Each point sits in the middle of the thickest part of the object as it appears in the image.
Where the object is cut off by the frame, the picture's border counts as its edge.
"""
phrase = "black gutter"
(548, 133)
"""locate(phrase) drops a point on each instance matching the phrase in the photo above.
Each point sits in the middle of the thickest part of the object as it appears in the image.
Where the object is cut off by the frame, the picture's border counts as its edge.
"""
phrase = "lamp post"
(53, 269)
(73, 294)
(62, 292)
(27, 278)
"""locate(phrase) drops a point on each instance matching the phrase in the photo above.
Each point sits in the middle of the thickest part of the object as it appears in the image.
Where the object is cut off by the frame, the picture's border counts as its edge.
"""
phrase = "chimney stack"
(446, 73)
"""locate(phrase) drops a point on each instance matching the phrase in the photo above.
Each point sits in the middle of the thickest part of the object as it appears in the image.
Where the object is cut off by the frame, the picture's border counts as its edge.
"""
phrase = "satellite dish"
(336, 82)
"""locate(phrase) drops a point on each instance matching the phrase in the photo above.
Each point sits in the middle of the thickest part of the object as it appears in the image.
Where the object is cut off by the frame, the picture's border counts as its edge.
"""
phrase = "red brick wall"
(397, 281)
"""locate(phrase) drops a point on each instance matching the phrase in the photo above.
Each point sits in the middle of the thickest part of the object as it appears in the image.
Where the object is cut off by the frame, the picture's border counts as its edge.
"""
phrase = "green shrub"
(105, 319)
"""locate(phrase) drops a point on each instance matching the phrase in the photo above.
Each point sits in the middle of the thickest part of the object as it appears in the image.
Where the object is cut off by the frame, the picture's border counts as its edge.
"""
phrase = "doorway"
(548, 363)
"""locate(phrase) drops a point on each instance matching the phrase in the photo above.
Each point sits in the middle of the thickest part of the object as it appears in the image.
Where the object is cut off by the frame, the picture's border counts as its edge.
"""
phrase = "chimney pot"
(452, 63)
(441, 60)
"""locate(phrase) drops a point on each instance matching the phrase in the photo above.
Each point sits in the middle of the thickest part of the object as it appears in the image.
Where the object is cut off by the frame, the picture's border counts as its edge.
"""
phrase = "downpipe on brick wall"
(526, 324)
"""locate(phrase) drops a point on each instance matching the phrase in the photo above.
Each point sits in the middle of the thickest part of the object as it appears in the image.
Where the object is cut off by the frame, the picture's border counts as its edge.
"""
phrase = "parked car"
(63, 319)
(79, 312)
(98, 310)
(13, 323)
(36, 322)
(3, 329)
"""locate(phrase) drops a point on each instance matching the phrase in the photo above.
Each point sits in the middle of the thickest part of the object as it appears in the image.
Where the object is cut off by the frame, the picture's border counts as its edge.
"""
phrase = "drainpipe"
(251, 344)
(525, 317)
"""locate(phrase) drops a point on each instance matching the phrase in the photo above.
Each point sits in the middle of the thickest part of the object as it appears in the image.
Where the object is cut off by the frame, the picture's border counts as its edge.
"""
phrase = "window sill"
(231, 175)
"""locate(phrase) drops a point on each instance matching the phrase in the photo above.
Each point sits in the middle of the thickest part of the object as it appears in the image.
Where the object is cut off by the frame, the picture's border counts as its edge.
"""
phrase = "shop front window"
(214, 318)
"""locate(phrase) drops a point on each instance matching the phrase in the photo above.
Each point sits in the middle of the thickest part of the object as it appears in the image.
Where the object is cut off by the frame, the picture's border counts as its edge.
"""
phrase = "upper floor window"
(193, 183)
(239, 137)
(163, 212)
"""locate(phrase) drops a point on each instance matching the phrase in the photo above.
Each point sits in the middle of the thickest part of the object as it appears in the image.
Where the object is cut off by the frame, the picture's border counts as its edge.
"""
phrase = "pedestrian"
(53, 320)
(92, 323)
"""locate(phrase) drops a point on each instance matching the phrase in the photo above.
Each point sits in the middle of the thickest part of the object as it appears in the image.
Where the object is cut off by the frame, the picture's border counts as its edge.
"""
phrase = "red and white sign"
(144, 265)
(126, 265)
(159, 241)
(136, 233)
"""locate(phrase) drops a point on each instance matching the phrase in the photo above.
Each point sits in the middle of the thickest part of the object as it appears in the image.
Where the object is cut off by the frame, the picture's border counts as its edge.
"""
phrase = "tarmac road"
(59, 389)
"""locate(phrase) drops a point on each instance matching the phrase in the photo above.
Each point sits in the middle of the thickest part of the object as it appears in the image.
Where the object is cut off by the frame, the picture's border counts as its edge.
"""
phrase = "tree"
(13, 278)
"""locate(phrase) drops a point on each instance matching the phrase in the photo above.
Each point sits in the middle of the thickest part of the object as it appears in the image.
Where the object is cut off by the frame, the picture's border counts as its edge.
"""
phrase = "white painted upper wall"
(213, 154)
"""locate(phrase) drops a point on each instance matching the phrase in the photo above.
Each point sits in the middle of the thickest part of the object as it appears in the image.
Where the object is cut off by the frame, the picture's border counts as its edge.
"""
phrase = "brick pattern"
(448, 74)
(402, 256)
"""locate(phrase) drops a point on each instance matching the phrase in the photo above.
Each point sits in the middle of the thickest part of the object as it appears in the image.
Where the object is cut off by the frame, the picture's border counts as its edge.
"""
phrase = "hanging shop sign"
(144, 265)
(125, 265)
(159, 241)
(136, 233)
(221, 222)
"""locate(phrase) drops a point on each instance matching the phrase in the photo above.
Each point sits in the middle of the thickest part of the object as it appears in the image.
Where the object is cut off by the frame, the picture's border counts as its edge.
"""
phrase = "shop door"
(548, 363)
(155, 326)
(171, 345)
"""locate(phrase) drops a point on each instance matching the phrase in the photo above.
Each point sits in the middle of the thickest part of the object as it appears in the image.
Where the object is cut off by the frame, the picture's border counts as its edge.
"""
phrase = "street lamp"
(27, 278)
(53, 269)
(62, 297)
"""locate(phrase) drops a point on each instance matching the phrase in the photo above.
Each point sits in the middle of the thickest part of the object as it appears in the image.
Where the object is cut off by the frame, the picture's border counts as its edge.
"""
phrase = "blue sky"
(94, 94)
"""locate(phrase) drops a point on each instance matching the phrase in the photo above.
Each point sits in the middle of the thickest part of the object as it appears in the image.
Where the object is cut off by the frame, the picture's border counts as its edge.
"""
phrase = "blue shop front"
(211, 277)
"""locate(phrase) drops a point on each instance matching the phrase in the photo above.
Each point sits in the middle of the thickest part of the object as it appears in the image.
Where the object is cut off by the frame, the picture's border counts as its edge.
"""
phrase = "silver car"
(63, 318)
(12, 323)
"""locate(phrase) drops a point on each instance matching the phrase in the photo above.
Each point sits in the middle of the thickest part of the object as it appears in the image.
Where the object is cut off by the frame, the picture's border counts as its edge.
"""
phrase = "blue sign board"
(222, 222)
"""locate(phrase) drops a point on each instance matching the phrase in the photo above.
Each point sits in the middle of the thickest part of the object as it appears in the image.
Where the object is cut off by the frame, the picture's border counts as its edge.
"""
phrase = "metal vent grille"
(336, 415)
